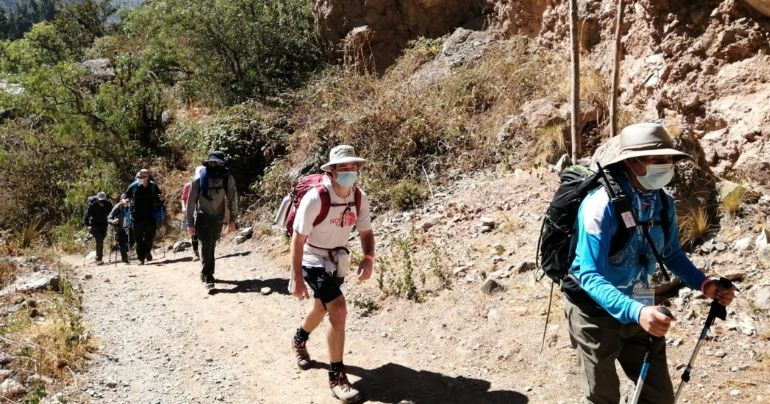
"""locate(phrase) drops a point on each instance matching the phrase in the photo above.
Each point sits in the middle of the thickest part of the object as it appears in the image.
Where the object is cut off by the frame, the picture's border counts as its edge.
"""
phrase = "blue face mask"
(347, 178)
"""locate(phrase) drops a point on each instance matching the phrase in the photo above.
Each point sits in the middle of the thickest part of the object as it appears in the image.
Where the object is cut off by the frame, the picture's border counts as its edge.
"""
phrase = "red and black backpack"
(304, 185)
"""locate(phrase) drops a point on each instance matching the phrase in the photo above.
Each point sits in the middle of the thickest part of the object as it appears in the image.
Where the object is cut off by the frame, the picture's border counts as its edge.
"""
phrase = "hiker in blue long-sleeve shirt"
(611, 308)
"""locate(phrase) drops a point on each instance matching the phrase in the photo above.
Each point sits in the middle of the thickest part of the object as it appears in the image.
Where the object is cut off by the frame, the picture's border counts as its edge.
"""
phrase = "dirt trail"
(164, 339)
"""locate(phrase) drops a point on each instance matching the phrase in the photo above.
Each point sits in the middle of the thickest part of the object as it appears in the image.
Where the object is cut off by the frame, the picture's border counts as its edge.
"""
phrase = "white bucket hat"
(342, 154)
(645, 139)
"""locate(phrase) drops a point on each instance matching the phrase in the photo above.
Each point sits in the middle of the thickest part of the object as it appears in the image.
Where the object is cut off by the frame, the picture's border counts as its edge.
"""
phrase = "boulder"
(11, 388)
(246, 232)
(240, 239)
(99, 68)
(44, 279)
(464, 46)
(761, 297)
(743, 244)
(491, 286)
(763, 240)
(546, 111)
(180, 246)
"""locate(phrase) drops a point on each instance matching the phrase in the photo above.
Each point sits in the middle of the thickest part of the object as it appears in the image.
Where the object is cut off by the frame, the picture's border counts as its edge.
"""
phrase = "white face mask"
(347, 178)
(658, 175)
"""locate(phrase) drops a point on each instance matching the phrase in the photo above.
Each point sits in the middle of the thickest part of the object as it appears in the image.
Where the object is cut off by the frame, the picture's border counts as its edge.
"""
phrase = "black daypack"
(557, 242)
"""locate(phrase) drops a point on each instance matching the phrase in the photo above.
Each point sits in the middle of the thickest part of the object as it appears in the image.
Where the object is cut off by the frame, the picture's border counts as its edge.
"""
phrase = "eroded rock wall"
(704, 65)
(372, 33)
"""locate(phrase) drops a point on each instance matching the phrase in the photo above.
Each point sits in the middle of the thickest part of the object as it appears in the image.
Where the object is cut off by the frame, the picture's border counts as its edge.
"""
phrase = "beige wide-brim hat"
(645, 139)
(342, 154)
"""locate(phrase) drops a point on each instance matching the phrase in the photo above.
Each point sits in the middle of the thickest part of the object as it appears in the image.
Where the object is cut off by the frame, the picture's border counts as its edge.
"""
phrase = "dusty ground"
(164, 339)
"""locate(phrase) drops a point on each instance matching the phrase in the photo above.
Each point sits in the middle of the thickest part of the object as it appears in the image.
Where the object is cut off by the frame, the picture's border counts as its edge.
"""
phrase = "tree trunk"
(576, 141)
(616, 72)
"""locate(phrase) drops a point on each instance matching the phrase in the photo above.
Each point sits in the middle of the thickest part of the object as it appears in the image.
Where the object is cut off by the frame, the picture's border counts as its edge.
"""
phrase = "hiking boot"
(148, 257)
(300, 352)
(141, 262)
(210, 282)
(342, 390)
(196, 257)
(99, 262)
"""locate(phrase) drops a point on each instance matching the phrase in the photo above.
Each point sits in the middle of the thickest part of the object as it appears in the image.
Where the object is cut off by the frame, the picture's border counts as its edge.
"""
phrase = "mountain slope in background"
(11, 4)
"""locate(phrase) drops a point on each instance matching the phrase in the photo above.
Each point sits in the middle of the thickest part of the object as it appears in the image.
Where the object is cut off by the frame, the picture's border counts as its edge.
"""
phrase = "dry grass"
(594, 88)
(46, 337)
(7, 274)
(550, 143)
(451, 124)
(732, 202)
(694, 226)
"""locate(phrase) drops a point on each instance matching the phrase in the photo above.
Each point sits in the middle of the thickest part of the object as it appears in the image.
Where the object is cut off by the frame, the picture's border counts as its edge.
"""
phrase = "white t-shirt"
(334, 230)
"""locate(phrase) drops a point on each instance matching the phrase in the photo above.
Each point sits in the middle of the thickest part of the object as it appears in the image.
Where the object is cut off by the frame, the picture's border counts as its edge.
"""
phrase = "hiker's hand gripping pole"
(717, 310)
(646, 362)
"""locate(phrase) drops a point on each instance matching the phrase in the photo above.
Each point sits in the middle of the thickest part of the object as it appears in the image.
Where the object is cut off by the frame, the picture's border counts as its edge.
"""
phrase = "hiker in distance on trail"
(96, 222)
(210, 194)
(609, 301)
(120, 219)
(184, 198)
(329, 205)
(146, 200)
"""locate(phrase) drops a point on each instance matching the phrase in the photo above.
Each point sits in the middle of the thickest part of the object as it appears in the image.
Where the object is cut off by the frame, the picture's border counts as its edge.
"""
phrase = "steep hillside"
(702, 66)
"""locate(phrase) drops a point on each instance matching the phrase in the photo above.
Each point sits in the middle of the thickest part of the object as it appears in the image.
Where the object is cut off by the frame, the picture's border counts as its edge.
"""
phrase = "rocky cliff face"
(373, 33)
(704, 65)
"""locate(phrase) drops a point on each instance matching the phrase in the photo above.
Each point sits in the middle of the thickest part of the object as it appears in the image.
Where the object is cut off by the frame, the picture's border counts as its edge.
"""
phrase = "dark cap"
(216, 157)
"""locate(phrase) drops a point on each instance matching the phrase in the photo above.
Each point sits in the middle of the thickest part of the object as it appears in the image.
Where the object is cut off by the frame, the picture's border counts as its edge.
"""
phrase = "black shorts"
(325, 287)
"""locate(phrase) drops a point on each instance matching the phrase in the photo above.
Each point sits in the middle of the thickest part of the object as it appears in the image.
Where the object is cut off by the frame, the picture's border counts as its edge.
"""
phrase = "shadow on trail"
(277, 285)
(169, 260)
(235, 254)
(392, 383)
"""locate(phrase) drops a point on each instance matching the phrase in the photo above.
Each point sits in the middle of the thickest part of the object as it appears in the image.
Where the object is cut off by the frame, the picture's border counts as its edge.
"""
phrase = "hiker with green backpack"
(624, 225)
(325, 209)
(146, 199)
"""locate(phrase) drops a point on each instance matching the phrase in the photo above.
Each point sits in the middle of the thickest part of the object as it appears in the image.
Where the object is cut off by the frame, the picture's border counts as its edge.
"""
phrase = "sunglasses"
(141, 177)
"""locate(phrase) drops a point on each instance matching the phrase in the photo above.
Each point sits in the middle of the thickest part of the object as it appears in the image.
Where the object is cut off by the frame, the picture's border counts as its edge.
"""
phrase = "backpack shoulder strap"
(664, 220)
(326, 202)
(616, 192)
(357, 199)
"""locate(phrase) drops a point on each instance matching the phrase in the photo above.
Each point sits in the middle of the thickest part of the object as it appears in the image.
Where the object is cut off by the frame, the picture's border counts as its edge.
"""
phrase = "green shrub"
(407, 194)
(69, 236)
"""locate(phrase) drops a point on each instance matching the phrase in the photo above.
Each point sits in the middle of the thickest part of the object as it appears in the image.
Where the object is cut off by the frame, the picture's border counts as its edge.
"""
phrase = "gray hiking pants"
(600, 341)
(208, 229)
(99, 232)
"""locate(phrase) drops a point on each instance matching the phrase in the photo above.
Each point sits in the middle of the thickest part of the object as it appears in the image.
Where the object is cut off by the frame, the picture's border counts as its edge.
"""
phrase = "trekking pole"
(646, 362)
(114, 246)
(85, 249)
(716, 311)
(547, 317)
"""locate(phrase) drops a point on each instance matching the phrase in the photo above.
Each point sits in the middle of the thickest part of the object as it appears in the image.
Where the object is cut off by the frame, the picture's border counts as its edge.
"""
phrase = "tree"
(81, 22)
(228, 50)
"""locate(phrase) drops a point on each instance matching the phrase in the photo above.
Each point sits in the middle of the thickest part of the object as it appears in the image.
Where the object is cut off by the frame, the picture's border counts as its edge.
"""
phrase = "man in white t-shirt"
(318, 257)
